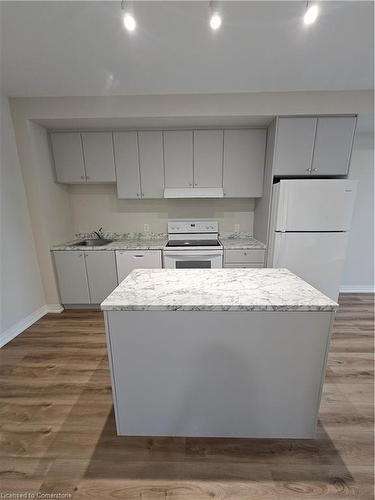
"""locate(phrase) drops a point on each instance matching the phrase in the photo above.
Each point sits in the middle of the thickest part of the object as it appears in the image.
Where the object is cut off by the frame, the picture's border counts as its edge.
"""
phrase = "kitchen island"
(217, 352)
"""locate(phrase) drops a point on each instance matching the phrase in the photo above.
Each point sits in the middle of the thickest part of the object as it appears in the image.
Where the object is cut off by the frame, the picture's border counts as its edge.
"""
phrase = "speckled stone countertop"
(240, 241)
(216, 290)
(134, 242)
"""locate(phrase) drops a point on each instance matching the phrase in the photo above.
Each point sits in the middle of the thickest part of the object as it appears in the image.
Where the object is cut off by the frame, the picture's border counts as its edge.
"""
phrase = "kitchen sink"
(92, 243)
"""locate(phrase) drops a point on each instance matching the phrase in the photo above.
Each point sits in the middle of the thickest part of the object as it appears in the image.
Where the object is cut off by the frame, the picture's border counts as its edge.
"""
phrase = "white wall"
(49, 205)
(359, 267)
(48, 201)
(96, 206)
(22, 293)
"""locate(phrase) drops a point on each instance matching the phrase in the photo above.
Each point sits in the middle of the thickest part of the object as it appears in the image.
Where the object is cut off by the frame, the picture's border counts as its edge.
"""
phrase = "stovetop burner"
(193, 243)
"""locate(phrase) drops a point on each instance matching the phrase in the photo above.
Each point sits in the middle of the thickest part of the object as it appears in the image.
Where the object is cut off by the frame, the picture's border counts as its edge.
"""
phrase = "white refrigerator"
(310, 220)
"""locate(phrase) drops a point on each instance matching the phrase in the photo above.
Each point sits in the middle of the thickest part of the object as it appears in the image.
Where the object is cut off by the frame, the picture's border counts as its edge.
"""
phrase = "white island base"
(251, 373)
(238, 374)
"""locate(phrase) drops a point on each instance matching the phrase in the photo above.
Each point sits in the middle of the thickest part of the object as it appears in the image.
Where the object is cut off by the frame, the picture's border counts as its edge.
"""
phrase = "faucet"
(99, 233)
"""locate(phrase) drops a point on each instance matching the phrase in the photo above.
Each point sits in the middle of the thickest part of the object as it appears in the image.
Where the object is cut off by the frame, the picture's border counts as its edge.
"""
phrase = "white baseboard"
(357, 289)
(24, 323)
(54, 308)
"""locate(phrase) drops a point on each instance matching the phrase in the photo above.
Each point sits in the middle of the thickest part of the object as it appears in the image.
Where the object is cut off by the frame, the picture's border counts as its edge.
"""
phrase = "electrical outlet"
(236, 228)
(146, 228)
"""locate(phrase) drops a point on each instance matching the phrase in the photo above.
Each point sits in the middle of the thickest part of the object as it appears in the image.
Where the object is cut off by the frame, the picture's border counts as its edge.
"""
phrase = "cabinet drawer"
(241, 265)
(243, 256)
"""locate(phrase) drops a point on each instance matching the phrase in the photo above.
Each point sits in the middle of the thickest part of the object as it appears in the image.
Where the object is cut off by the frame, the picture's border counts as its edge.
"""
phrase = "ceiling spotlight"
(215, 21)
(311, 14)
(215, 17)
(129, 22)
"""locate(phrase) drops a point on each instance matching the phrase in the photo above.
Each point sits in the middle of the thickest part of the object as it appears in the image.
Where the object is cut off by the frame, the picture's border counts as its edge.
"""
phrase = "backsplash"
(122, 236)
(95, 206)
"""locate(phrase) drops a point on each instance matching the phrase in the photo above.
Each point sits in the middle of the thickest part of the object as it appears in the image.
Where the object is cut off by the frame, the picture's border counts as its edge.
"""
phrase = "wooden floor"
(58, 432)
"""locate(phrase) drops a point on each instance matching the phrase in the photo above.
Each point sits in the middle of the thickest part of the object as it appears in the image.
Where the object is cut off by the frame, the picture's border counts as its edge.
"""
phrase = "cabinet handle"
(314, 169)
(82, 177)
(138, 255)
(137, 195)
(308, 170)
(224, 194)
(86, 254)
(80, 255)
(196, 184)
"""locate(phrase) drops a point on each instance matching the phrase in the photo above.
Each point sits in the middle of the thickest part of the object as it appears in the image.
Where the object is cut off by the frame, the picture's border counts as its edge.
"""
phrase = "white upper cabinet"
(294, 146)
(208, 158)
(308, 146)
(68, 157)
(127, 164)
(98, 156)
(333, 145)
(178, 158)
(244, 153)
(151, 163)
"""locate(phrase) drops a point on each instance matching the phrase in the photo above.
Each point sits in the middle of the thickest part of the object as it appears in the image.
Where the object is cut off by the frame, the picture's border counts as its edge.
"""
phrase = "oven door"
(195, 259)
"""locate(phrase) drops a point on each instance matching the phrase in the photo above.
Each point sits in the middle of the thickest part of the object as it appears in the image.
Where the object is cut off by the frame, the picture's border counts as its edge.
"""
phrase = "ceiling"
(81, 48)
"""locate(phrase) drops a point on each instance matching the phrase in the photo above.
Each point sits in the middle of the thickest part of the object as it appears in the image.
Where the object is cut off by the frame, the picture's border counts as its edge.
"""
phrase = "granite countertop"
(240, 241)
(216, 290)
(130, 243)
(156, 241)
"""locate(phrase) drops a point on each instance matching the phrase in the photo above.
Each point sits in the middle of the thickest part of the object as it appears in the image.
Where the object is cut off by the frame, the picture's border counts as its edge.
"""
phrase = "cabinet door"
(71, 275)
(333, 145)
(294, 146)
(101, 274)
(127, 164)
(127, 260)
(68, 157)
(178, 158)
(244, 152)
(208, 158)
(98, 155)
(151, 163)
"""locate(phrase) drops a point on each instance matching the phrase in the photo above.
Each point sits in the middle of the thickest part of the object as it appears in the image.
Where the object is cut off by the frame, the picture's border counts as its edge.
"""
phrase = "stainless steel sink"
(92, 243)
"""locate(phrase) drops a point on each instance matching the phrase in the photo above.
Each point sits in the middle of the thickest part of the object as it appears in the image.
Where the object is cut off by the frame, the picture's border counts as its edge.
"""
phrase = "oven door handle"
(199, 256)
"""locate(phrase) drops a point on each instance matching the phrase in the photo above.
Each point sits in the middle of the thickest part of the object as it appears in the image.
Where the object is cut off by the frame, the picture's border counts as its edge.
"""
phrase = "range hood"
(193, 193)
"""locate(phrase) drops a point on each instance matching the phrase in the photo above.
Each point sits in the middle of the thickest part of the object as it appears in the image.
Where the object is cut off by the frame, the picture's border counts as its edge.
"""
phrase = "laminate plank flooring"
(58, 431)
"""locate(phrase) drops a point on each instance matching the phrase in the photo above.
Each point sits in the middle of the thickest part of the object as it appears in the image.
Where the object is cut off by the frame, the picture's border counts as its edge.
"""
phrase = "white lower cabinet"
(127, 260)
(244, 258)
(101, 274)
(72, 278)
(85, 277)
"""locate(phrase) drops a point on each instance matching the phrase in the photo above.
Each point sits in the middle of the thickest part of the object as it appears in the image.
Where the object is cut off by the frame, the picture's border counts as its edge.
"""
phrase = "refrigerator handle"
(278, 250)
(283, 206)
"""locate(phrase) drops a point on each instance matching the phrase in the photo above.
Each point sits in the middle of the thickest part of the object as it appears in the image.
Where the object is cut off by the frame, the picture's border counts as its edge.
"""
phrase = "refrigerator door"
(313, 204)
(318, 258)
